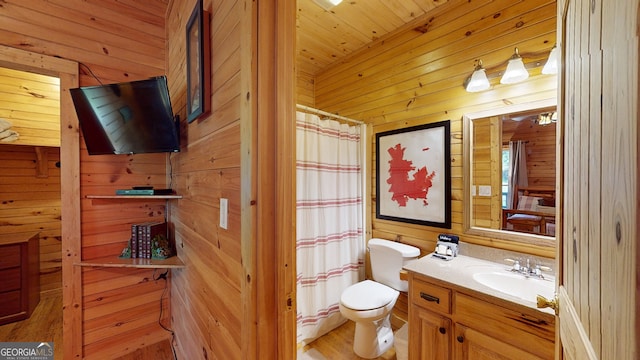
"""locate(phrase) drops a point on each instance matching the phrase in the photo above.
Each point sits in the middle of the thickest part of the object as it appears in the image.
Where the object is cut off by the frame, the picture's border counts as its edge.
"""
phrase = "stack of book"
(143, 236)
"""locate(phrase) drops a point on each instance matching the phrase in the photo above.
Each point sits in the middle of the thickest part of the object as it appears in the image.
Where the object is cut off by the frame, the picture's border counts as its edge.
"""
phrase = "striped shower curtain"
(330, 244)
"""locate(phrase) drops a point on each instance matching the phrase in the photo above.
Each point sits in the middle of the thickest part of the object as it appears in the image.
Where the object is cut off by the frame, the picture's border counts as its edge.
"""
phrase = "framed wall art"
(198, 63)
(413, 175)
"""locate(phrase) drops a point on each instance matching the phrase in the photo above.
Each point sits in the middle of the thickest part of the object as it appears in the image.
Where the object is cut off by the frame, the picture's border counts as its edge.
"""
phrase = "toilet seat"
(367, 295)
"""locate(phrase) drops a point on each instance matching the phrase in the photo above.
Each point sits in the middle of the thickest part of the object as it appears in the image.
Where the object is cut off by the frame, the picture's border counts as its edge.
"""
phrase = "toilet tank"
(387, 258)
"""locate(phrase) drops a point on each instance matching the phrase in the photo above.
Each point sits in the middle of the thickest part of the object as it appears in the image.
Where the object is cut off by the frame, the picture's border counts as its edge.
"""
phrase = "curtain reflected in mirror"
(512, 171)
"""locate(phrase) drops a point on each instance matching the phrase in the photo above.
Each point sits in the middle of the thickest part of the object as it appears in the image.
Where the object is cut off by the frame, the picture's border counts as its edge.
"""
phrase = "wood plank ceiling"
(326, 37)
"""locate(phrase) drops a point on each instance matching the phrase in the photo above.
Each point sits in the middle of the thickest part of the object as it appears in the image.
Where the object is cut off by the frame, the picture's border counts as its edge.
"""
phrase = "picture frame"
(198, 63)
(413, 175)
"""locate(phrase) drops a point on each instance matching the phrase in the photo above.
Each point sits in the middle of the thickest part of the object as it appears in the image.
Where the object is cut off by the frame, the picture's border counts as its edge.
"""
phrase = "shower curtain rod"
(325, 113)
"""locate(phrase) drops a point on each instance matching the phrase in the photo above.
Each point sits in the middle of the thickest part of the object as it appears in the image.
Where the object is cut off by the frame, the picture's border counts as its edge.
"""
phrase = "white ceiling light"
(551, 67)
(516, 71)
(327, 4)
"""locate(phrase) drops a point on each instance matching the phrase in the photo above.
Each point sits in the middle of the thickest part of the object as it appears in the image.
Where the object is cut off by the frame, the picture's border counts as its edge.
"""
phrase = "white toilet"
(369, 303)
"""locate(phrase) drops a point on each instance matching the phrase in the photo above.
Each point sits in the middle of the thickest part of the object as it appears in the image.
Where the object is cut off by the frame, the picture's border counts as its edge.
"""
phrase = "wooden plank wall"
(117, 41)
(305, 89)
(30, 202)
(487, 158)
(416, 76)
(31, 102)
(207, 299)
(120, 306)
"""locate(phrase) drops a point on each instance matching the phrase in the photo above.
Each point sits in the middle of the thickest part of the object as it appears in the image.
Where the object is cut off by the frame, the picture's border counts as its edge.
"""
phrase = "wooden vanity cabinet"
(431, 335)
(454, 323)
(19, 276)
(473, 344)
(430, 326)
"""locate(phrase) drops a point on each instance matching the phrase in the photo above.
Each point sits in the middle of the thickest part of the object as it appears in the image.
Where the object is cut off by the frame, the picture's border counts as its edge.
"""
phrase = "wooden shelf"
(134, 196)
(173, 262)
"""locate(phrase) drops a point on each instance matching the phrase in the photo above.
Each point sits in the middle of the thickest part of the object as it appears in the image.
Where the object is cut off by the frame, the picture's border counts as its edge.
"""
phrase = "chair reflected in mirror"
(533, 211)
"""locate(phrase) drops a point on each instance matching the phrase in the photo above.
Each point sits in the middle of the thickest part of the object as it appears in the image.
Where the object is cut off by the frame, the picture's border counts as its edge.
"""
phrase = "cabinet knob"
(460, 339)
(442, 330)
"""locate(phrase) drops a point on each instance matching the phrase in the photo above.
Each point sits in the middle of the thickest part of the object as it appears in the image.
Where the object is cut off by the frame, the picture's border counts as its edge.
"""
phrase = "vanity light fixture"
(516, 71)
(551, 66)
(547, 118)
(478, 80)
(327, 4)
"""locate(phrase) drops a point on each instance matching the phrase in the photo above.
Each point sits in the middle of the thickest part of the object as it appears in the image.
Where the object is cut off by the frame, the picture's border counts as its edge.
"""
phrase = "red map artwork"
(407, 182)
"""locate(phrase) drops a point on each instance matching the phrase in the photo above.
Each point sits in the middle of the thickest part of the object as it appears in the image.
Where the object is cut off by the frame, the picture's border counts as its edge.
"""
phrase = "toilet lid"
(367, 295)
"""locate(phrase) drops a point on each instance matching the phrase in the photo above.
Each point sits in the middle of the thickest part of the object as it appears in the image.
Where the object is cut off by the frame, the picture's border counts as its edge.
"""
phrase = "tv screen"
(127, 118)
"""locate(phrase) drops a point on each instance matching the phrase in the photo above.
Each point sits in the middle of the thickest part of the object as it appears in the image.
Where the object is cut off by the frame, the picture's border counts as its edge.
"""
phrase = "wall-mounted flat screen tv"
(127, 118)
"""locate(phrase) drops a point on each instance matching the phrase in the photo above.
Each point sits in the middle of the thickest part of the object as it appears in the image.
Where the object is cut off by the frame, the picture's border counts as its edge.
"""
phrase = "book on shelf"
(133, 242)
(136, 244)
(144, 234)
(149, 240)
(140, 237)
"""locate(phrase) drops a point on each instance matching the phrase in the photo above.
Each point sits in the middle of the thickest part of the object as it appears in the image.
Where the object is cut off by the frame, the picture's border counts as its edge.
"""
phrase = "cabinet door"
(473, 345)
(429, 335)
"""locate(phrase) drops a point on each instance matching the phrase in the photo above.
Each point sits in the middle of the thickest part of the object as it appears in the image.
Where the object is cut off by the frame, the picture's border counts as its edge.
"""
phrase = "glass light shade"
(515, 72)
(551, 67)
(478, 81)
(327, 4)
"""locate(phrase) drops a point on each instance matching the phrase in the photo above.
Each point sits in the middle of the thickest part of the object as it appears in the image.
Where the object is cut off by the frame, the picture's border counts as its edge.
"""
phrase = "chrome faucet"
(527, 270)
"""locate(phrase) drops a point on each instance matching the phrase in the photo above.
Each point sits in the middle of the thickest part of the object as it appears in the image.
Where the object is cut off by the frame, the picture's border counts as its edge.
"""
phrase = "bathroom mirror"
(510, 168)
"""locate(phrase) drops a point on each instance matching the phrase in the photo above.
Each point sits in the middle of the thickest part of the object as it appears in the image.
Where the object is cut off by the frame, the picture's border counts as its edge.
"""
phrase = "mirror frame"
(512, 236)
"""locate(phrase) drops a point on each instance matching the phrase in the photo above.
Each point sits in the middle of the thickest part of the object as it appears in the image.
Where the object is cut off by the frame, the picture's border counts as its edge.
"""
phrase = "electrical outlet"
(224, 212)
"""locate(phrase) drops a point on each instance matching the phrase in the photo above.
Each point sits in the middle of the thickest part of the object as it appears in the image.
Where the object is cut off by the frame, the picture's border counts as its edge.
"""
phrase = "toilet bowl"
(370, 303)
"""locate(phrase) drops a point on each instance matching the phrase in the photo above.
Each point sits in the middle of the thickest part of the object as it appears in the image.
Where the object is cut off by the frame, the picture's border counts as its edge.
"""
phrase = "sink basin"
(516, 285)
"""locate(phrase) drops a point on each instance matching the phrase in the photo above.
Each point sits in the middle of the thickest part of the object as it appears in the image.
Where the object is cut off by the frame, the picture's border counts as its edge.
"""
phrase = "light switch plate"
(224, 211)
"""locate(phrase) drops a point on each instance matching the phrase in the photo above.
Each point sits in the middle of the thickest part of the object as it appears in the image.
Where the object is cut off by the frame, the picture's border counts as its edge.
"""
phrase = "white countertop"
(461, 269)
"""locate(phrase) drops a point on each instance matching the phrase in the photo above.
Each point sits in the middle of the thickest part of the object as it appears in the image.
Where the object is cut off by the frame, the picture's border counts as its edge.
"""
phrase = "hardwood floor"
(44, 325)
(336, 345)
